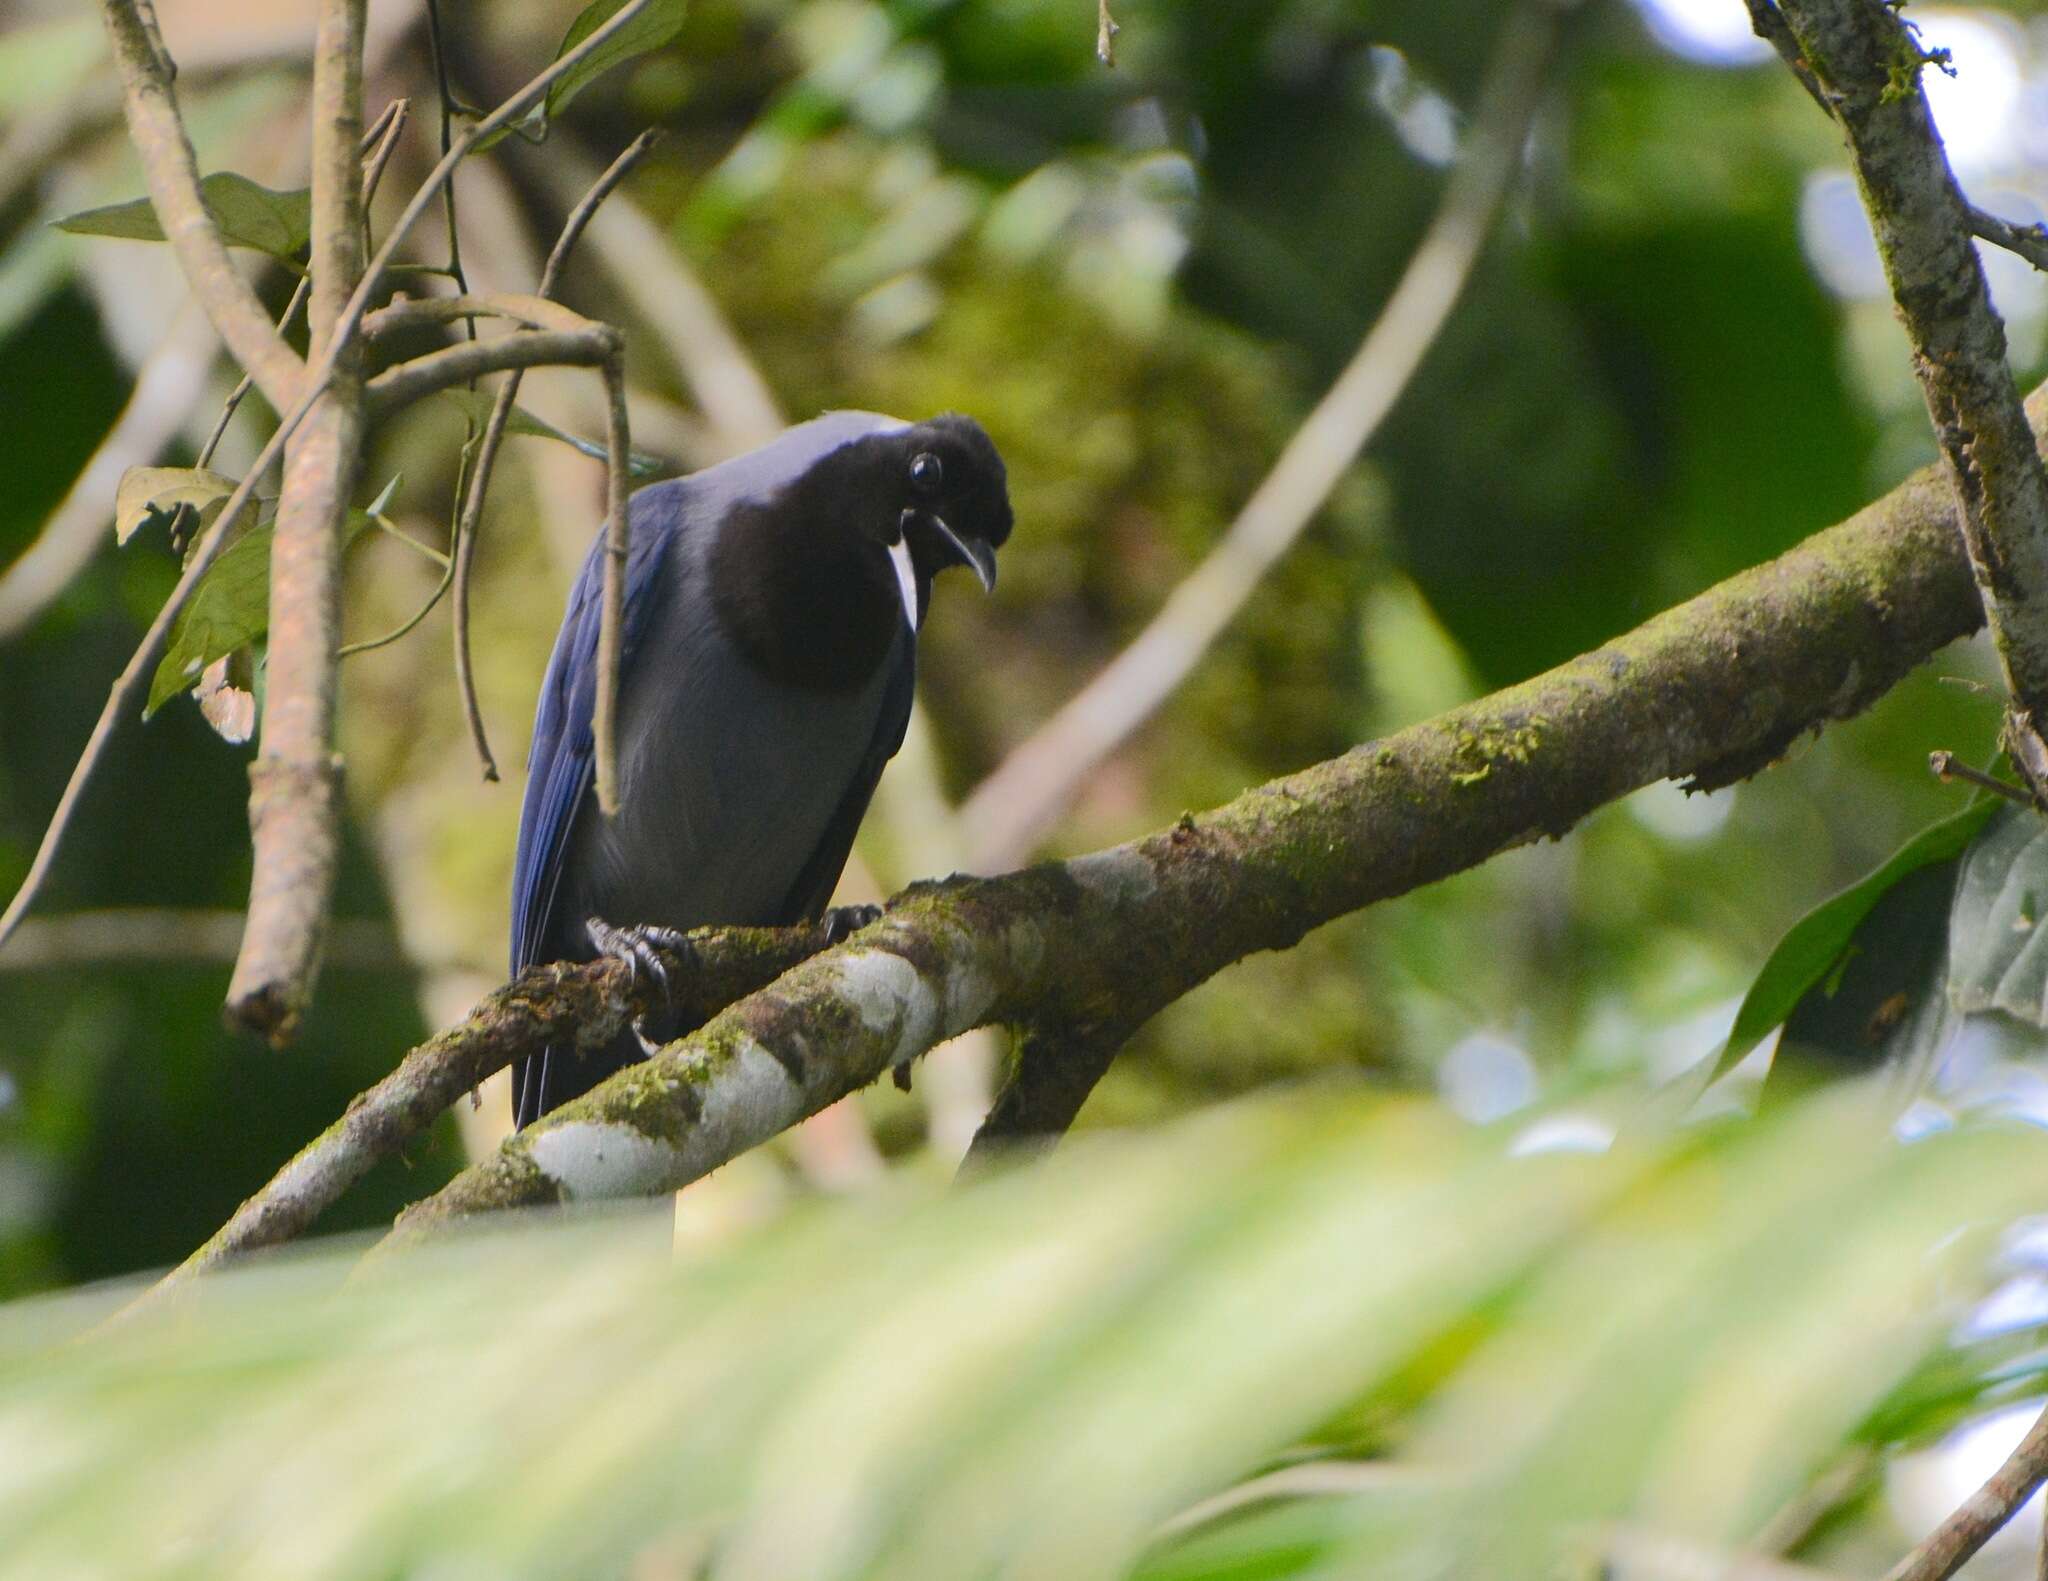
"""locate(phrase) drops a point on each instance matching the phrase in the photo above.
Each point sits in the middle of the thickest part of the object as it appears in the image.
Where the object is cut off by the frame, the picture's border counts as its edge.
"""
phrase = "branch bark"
(1715, 689)
(1867, 65)
(588, 1005)
(1951, 1544)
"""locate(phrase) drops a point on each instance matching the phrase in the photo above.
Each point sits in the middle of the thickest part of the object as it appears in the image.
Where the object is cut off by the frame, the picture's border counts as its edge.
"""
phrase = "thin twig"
(470, 521)
(453, 365)
(652, 275)
(612, 619)
(134, 676)
(1012, 808)
(1949, 1547)
(1948, 768)
(1106, 30)
(2027, 241)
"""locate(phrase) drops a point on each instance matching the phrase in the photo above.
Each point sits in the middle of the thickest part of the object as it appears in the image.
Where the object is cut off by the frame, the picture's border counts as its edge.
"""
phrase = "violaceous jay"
(769, 651)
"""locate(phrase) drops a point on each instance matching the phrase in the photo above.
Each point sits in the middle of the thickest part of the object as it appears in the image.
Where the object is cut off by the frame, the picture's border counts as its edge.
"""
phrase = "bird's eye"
(925, 472)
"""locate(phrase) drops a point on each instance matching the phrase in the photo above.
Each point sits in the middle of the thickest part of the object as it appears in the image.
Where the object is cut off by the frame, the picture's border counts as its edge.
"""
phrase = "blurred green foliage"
(1324, 1336)
(1139, 280)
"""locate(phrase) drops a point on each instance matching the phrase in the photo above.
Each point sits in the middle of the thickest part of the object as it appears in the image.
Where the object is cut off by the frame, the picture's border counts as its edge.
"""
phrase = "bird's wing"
(560, 768)
(814, 885)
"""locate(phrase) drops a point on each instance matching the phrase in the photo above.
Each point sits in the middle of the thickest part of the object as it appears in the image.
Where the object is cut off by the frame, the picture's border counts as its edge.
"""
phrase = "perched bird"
(770, 639)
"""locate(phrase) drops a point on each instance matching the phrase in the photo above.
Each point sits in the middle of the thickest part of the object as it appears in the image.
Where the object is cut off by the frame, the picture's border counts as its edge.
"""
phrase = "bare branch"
(612, 617)
(470, 521)
(473, 359)
(1715, 689)
(158, 134)
(295, 782)
(1009, 811)
(1868, 65)
(1982, 1515)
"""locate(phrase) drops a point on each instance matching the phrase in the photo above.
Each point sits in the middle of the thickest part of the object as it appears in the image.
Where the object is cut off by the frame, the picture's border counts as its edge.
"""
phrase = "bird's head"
(938, 496)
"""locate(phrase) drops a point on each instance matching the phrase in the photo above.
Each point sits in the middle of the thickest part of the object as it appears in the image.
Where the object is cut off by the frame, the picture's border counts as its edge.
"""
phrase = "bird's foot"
(843, 921)
(639, 947)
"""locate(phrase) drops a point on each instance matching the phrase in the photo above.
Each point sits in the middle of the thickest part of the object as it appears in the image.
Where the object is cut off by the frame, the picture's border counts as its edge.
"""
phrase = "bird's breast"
(728, 782)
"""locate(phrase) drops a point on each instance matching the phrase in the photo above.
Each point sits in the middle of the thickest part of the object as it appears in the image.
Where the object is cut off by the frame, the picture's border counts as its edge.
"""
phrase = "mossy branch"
(1867, 64)
(1711, 691)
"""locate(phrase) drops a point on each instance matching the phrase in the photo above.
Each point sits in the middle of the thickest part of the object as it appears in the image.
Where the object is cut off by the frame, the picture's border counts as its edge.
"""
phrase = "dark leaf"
(1815, 943)
(1998, 959)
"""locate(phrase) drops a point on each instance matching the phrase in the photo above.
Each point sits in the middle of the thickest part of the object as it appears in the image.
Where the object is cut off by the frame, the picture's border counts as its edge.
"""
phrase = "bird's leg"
(842, 921)
(639, 946)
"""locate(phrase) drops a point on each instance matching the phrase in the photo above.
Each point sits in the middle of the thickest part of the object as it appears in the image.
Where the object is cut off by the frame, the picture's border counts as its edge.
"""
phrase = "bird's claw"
(639, 947)
(844, 921)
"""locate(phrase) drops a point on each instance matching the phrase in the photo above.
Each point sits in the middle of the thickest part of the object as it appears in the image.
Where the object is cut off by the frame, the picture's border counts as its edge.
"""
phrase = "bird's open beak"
(978, 557)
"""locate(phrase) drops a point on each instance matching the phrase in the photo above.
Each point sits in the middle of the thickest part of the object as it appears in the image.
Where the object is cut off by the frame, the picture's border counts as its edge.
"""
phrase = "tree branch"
(1010, 810)
(1868, 63)
(172, 175)
(1714, 689)
(1949, 1546)
(587, 1004)
(295, 782)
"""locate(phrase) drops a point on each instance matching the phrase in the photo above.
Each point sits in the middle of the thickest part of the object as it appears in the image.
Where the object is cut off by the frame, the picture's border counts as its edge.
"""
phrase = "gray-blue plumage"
(739, 792)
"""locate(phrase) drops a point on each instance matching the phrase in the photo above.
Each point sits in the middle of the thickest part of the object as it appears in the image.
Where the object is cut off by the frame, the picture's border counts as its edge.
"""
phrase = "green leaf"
(1815, 943)
(476, 406)
(654, 27)
(277, 223)
(230, 608)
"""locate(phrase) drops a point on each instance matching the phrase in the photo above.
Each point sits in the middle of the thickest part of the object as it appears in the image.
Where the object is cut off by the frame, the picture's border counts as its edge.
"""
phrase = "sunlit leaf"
(148, 496)
(277, 223)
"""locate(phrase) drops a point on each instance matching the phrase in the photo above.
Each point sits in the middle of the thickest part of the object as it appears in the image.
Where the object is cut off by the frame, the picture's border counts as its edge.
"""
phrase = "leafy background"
(1675, 359)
